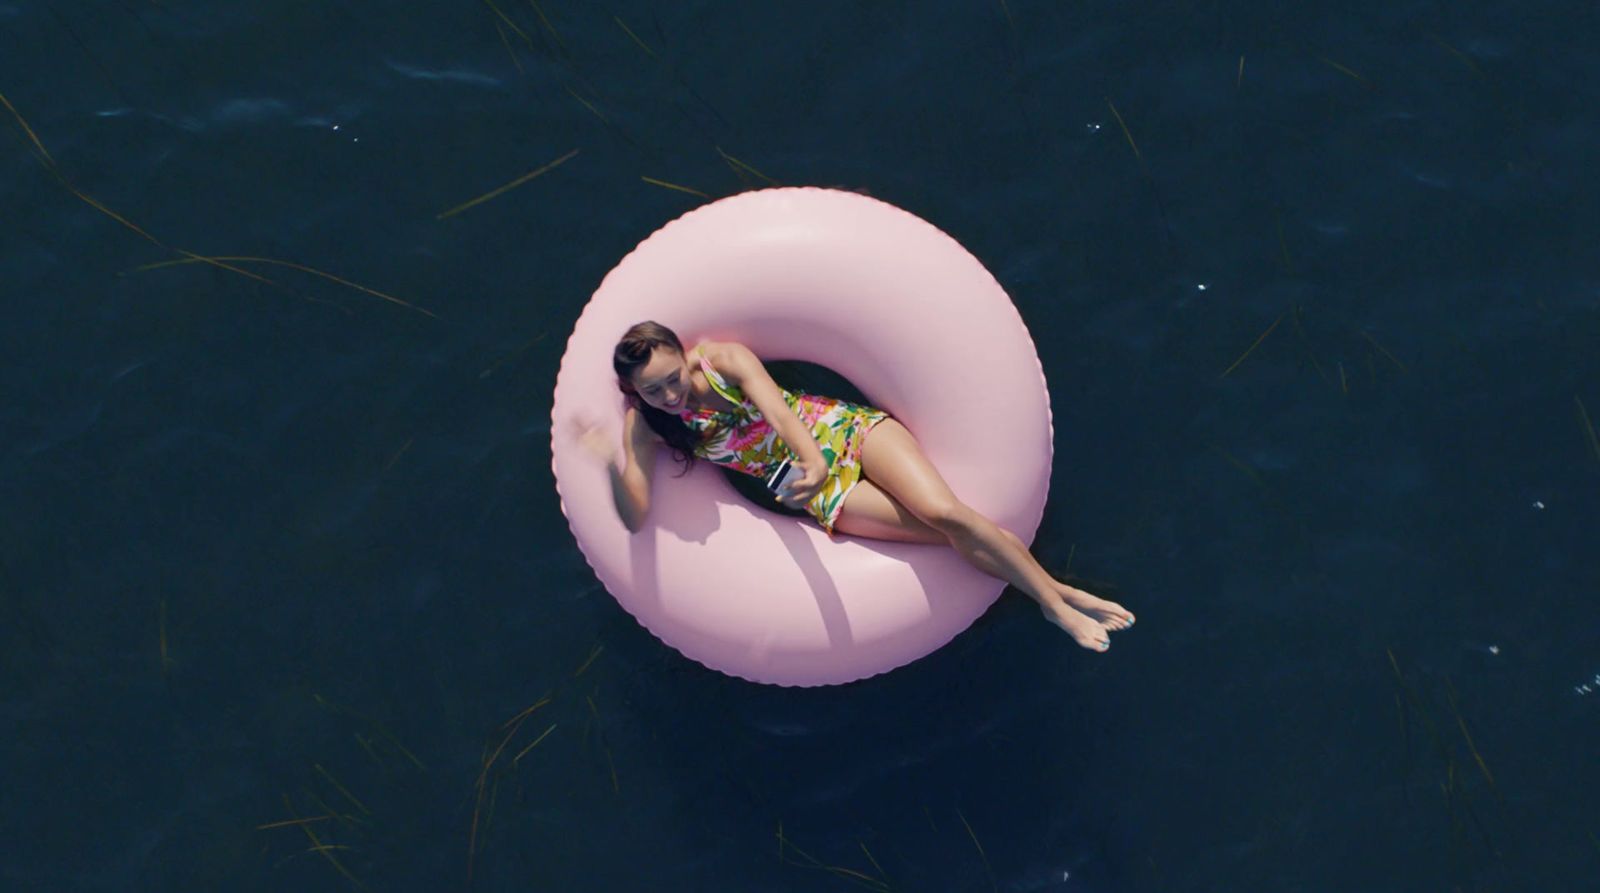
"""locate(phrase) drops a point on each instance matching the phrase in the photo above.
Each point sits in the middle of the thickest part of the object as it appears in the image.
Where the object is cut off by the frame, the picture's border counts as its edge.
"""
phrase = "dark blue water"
(273, 548)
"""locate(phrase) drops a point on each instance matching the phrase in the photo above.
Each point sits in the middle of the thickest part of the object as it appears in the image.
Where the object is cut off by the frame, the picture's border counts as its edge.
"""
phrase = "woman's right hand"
(595, 439)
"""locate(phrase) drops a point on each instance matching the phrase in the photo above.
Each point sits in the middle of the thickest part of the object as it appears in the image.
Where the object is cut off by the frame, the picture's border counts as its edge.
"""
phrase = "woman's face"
(664, 381)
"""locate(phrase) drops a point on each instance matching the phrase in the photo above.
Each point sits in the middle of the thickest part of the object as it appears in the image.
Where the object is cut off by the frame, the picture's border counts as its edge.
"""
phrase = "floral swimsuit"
(746, 442)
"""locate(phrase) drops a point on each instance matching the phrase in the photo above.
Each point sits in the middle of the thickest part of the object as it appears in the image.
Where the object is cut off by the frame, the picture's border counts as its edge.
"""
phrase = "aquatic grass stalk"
(367, 746)
(1588, 426)
(381, 729)
(612, 765)
(1385, 351)
(341, 788)
(738, 166)
(874, 862)
(291, 822)
(849, 874)
(1125, 131)
(506, 42)
(397, 454)
(629, 31)
(674, 186)
(981, 854)
(509, 23)
(1262, 337)
(509, 186)
(526, 711)
(318, 845)
(1344, 71)
(1305, 342)
(1144, 171)
(520, 754)
(190, 257)
(489, 370)
(478, 812)
(44, 154)
(555, 35)
(1283, 243)
(214, 261)
(1457, 794)
(585, 665)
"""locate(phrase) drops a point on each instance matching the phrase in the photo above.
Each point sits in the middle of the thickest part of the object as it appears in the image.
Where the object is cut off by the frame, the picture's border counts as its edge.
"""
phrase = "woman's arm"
(630, 484)
(631, 468)
(743, 368)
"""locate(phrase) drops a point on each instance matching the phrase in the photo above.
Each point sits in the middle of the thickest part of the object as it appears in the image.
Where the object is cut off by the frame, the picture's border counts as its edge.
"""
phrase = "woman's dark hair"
(632, 353)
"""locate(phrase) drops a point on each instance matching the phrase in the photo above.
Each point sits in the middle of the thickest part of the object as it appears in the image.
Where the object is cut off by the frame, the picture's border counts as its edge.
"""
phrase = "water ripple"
(454, 76)
(250, 111)
(66, 426)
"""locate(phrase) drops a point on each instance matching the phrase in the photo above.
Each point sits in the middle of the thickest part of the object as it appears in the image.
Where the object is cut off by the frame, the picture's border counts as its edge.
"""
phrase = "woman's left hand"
(801, 490)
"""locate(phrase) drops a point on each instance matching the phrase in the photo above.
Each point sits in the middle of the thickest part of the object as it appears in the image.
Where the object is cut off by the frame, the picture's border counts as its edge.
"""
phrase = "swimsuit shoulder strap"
(719, 384)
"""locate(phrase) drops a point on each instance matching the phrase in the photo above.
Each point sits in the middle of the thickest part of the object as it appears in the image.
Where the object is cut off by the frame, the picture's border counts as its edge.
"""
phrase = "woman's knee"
(948, 515)
(894, 461)
(871, 512)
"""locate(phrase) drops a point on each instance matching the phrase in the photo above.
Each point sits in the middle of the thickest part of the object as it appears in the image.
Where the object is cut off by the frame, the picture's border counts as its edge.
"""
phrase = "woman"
(862, 472)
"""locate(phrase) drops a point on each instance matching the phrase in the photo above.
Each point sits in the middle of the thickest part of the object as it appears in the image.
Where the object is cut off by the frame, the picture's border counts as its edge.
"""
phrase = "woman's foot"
(1086, 630)
(1111, 615)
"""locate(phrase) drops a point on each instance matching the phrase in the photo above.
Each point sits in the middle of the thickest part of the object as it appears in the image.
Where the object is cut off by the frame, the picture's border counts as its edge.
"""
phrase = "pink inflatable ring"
(905, 313)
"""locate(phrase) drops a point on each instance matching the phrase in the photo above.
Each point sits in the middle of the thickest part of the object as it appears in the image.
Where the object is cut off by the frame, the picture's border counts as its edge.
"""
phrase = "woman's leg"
(870, 512)
(893, 461)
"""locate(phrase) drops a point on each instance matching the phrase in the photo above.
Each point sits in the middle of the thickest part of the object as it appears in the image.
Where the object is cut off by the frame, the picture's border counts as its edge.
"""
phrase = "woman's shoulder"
(726, 356)
(714, 350)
